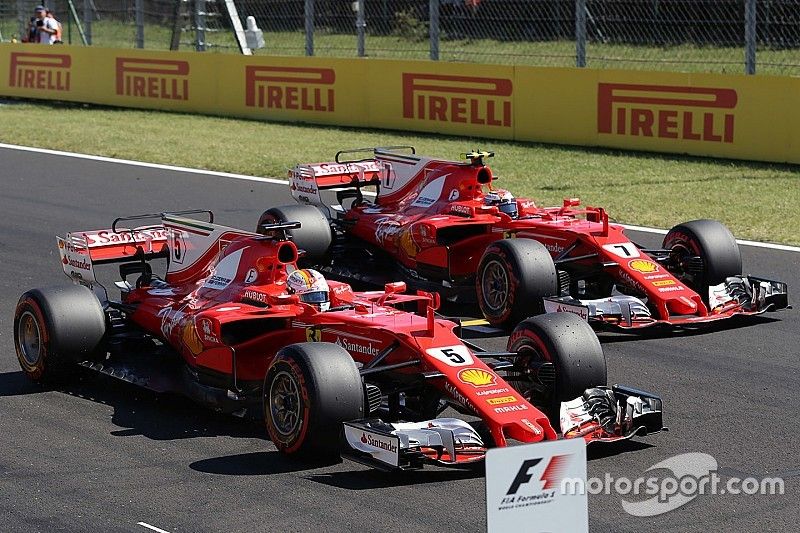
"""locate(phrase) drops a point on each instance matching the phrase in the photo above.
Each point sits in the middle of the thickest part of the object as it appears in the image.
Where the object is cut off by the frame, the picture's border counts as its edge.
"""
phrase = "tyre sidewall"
(531, 277)
(295, 441)
(72, 325)
(714, 243)
(570, 345)
(503, 315)
(37, 371)
(331, 392)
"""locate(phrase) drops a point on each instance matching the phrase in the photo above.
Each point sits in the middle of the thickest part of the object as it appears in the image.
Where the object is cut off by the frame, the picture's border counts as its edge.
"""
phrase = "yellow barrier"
(732, 116)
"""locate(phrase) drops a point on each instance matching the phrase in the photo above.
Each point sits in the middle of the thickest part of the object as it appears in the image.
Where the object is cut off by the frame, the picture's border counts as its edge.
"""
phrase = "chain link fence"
(152, 24)
(729, 36)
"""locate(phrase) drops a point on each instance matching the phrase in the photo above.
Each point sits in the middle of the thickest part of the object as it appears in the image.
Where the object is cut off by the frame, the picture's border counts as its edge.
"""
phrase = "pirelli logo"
(47, 72)
(294, 88)
(162, 79)
(669, 112)
(457, 99)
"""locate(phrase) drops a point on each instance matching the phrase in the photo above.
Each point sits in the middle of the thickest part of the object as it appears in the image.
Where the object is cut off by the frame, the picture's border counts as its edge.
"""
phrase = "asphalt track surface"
(98, 455)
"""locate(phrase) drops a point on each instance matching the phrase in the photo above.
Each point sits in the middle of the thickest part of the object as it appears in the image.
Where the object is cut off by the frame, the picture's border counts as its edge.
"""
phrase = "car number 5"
(452, 355)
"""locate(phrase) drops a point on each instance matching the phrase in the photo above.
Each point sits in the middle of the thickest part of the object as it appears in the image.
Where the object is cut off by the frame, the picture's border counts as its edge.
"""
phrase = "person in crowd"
(43, 29)
(59, 27)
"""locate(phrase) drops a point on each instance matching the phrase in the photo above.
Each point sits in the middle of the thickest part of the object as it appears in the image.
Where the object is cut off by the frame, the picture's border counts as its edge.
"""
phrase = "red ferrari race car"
(235, 325)
(442, 226)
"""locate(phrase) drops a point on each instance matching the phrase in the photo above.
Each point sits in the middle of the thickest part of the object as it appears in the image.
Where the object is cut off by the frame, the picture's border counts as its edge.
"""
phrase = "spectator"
(59, 28)
(46, 27)
(30, 34)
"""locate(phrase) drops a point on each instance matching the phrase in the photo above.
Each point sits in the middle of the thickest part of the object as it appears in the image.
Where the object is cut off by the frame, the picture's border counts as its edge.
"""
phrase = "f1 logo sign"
(552, 475)
(523, 476)
(535, 484)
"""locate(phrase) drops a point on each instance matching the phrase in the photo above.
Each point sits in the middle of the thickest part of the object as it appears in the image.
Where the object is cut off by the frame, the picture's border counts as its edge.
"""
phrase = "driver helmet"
(504, 201)
(311, 287)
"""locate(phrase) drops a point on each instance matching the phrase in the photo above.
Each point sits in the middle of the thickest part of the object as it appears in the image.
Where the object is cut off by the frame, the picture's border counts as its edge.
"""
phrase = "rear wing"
(81, 251)
(306, 181)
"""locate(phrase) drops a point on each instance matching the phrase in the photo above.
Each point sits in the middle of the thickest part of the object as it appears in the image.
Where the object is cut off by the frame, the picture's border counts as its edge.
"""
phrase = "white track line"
(769, 245)
(142, 164)
(154, 528)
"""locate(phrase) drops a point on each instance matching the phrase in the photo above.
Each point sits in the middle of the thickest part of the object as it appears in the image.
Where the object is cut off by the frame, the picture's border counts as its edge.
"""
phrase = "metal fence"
(733, 36)
(153, 24)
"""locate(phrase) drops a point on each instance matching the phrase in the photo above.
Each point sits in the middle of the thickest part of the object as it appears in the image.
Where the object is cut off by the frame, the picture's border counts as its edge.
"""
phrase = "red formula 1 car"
(442, 226)
(223, 328)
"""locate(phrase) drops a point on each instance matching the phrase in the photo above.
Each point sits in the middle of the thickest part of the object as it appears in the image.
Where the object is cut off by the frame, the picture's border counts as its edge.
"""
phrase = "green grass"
(757, 201)
(684, 58)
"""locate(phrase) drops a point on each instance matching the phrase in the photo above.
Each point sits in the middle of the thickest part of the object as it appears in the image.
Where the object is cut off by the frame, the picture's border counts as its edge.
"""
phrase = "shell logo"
(407, 243)
(477, 377)
(643, 265)
(191, 339)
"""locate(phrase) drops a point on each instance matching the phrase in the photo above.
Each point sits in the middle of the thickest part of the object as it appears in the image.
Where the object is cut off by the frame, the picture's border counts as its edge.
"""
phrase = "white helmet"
(311, 287)
(504, 201)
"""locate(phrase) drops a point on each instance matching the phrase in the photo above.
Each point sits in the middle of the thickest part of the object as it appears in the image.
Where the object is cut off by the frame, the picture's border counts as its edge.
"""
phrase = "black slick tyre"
(314, 235)
(716, 247)
(310, 389)
(55, 328)
(513, 276)
(562, 358)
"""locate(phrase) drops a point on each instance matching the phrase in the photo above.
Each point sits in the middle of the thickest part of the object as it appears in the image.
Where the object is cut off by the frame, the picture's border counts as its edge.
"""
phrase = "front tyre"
(561, 357)
(55, 328)
(513, 277)
(310, 389)
(713, 244)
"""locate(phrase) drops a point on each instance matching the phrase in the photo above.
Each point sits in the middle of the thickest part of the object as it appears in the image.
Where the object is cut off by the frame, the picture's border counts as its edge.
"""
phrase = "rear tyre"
(716, 247)
(562, 358)
(310, 389)
(55, 328)
(314, 234)
(513, 277)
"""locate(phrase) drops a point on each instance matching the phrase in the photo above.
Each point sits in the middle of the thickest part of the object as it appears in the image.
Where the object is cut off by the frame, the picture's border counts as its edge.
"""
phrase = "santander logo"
(377, 443)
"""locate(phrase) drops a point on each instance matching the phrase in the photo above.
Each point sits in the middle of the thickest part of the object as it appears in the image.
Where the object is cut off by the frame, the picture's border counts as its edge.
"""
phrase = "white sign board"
(526, 489)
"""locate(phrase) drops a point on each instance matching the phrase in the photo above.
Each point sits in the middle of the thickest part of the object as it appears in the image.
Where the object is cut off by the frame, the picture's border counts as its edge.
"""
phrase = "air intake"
(563, 282)
(546, 374)
(372, 398)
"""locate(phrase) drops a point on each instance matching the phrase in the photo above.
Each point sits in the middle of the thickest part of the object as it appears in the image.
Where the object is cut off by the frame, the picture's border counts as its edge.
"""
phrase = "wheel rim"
(681, 251)
(495, 286)
(528, 383)
(284, 401)
(29, 338)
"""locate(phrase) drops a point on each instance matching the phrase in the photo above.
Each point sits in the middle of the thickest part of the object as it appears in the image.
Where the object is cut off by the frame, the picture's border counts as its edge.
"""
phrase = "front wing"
(455, 443)
(736, 296)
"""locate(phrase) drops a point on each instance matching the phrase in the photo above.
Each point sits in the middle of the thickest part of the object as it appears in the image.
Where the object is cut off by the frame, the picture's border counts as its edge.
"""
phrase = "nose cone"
(682, 306)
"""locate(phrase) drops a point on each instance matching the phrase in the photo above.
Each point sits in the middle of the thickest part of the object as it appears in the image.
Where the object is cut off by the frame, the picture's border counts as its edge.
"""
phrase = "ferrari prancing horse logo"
(313, 334)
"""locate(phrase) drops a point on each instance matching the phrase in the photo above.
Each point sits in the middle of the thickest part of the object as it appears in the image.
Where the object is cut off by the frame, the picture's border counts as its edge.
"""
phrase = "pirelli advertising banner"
(742, 117)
